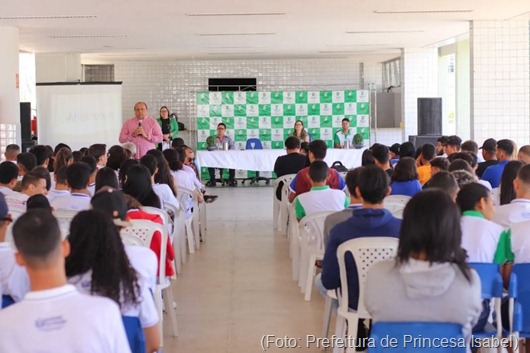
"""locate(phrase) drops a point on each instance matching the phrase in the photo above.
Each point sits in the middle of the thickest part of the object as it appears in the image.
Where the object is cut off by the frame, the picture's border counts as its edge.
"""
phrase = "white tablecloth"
(263, 160)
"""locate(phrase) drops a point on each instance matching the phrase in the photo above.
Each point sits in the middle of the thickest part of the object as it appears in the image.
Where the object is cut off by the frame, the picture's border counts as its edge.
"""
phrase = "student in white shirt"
(54, 316)
(32, 184)
(8, 177)
(14, 281)
(99, 152)
(11, 153)
(106, 177)
(77, 175)
(91, 162)
(98, 265)
(138, 185)
(321, 197)
(164, 192)
(60, 188)
(63, 158)
(519, 209)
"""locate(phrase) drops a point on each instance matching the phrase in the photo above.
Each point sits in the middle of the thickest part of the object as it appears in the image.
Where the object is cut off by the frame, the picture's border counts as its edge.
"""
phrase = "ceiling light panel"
(384, 32)
(235, 14)
(236, 34)
(65, 17)
(420, 12)
(88, 36)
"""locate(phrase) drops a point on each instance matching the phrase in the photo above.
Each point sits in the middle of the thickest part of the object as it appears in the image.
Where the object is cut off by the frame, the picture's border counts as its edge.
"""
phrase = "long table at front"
(263, 160)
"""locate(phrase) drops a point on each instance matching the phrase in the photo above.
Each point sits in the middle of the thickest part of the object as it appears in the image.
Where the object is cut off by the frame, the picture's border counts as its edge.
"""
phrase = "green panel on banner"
(313, 109)
(277, 144)
(289, 109)
(326, 121)
(276, 97)
(277, 122)
(338, 109)
(228, 97)
(350, 96)
(301, 97)
(252, 123)
(203, 98)
(229, 122)
(240, 110)
(363, 108)
(326, 97)
(252, 98)
(264, 135)
(303, 119)
(315, 133)
(215, 110)
(203, 123)
(264, 110)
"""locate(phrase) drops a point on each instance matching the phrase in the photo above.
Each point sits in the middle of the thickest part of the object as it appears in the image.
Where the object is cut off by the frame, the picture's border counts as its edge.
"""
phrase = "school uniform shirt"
(145, 262)
(483, 240)
(301, 182)
(408, 188)
(73, 202)
(92, 188)
(145, 310)
(185, 180)
(55, 194)
(493, 173)
(340, 137)
(519, 242)
(516, 211)
(16, 202)
(424, 173)
(14, 280)
(62, 320)
(191, 172)
(164, 193)
(319, 199)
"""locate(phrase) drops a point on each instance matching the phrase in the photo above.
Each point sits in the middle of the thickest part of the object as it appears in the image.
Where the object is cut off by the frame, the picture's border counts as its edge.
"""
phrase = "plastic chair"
(7, 300)
(396, 204)
(191, 222)
(401, 333)
(277, 204)
(64, 218)
(366, 251)
(294, 243)
(255, 144)
(283, 217)
(141, 233)
(311, 230)
(135, 333)
(491, 289)
(519, 303)
(179, 228)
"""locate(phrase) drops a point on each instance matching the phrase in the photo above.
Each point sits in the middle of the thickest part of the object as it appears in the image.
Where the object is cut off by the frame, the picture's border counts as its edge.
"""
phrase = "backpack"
(339, 167)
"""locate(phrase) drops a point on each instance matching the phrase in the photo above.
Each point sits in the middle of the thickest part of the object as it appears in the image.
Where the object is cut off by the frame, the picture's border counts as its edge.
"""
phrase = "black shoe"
(210, 183)
(210, 198)
(232, 183)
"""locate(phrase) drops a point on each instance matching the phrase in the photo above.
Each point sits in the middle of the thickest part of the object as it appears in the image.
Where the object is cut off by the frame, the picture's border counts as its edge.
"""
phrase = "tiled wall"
(419, 79)
(500, 80)
(173, 83)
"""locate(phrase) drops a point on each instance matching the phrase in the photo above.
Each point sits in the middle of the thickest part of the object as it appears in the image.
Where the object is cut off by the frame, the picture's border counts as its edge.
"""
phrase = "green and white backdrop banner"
(270, 116)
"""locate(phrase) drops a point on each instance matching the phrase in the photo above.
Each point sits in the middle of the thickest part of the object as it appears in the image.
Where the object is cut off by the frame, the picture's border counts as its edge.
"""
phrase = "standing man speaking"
(141, 130)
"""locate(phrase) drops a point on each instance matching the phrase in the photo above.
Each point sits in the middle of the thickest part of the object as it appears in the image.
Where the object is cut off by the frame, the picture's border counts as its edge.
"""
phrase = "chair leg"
(158, 302)
(178, 254)
(310, 277)
(189, 236)
(327, 316)
(167, 294)
(196, 229)
(340, 331)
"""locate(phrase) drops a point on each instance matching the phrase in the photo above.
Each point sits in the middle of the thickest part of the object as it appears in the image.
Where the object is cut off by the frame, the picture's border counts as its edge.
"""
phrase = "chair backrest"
(313, 227)
(365, 251)
(428, 335)
(396, 204)
(135, 333)
(257, 144)
(141, 233)
(166, 219)
(520, 289)
(285, 187)
(64, 218)
(184, 196)
(490, 279)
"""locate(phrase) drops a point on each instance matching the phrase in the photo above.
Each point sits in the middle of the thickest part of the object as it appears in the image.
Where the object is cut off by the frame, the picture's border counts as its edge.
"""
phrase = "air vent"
(420, 12)
(383, 32)
(235, 14)
(240, 53)
(65, 17)
(236, 34)
(88, 36)
(238, 47)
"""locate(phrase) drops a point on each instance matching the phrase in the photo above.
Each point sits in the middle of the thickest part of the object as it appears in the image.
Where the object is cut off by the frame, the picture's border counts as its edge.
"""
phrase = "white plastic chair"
(276, 204)
(366, 251)
(294, 243)
(283, 215)
(396, 204)
(179, 229)
(311, 231)
(64, 217)
(191, 222)
(140, 234)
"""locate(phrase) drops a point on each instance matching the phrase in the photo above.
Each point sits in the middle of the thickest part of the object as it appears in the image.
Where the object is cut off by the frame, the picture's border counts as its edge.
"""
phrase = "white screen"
(79, 115)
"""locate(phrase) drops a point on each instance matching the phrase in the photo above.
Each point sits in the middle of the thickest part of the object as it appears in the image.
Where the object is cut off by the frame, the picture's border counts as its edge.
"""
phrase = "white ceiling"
(294, 28)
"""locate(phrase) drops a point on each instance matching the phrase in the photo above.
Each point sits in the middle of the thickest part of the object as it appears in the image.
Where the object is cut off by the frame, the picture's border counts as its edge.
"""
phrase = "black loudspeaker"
(25, 121)
(419, 141)
(429, 116)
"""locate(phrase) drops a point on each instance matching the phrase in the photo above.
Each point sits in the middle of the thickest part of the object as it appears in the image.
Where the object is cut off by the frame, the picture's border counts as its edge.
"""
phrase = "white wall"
(60, 67)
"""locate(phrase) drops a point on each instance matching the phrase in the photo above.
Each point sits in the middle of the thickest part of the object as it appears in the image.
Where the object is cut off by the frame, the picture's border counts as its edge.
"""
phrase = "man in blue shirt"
(504, 153)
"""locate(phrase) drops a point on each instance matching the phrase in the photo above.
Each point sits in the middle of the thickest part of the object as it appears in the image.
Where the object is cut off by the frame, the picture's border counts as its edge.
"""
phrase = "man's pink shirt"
(151, 127)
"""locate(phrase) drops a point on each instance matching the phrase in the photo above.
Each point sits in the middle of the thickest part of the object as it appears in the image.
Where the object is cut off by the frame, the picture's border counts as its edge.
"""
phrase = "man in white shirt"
(519, 209)
(61, 187)
(77, 175)
(14, 281)
(32, 184)
(54, 316)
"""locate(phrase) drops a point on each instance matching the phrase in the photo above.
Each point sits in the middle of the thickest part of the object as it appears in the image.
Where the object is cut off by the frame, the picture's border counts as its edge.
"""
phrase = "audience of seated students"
(71, 321)
(98, 265)
(423, 162)
(405, 178)
(452, 145)
(430, 273)
(291, 163)
(506, 192)
(92, 164)
(444, 181)
(301, 183)
(469, 157)
(143, 259)
(163, 174)
(8, 177)
(381, 156)
(488, 155)
(519, 209)
(524, 154)
(138, 184)
(45, 174)
(106, 177)
(99, 152)
(134, 211)
(59, 146)
(440, 144)
(41, 154)
(38, 201)
(63, 158)
(14, 281)
(439, 164)
(460, 164)
(32, 184)
(304, 149)
(355, 202)
(367, 158)
(320, 198)
(504, 153)
(407, 149)
(464, 177)
(77, 176)
(60, 187)
(394, 153)
(116, 157)
(76, 155)
(11, 153)
(122, 174)
(163, 191)
(26, 162)
(372, 220)
(130, 149)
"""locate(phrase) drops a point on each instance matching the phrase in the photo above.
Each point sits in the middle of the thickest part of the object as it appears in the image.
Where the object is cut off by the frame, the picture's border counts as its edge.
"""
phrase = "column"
(9, 93)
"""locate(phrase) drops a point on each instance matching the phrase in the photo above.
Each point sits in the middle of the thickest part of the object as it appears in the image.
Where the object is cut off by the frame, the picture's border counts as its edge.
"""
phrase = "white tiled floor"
(238, 286)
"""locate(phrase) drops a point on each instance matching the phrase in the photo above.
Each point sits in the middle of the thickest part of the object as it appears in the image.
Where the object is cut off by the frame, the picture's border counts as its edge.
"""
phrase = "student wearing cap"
(488, 154)
(14, 281)
(519, 209)
(54, 316)
(504, 152)
(452, 145)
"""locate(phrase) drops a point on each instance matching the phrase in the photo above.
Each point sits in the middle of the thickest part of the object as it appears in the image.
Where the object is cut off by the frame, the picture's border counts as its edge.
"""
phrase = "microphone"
(140, 124)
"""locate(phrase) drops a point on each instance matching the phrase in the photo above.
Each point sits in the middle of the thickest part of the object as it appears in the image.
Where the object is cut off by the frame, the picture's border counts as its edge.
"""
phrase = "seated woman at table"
(429, 274)
(300, 132)
(220, 140)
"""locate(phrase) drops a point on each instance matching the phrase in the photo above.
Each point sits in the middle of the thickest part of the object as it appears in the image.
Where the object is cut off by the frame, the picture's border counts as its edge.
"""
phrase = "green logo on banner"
(215, 110)
(289, 109)
(352, 119)
(264, 110)
(338, 109)
(277, 144)
(363, 109)
(277, 122)
(264, 135)
(229, 122)
(326, 121)
(277, 97)
(203, 98)
(241, 135)
(252, 123)
(228, 98)
(326, 97)
(314, 109)
(301, 97)
(252, 98)
(203, 123)
(240, 110)
(350, 96)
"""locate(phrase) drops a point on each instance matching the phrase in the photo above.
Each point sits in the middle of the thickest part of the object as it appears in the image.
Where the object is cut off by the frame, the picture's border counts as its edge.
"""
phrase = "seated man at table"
(220, 140)
(301, 182)
(291, 163)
